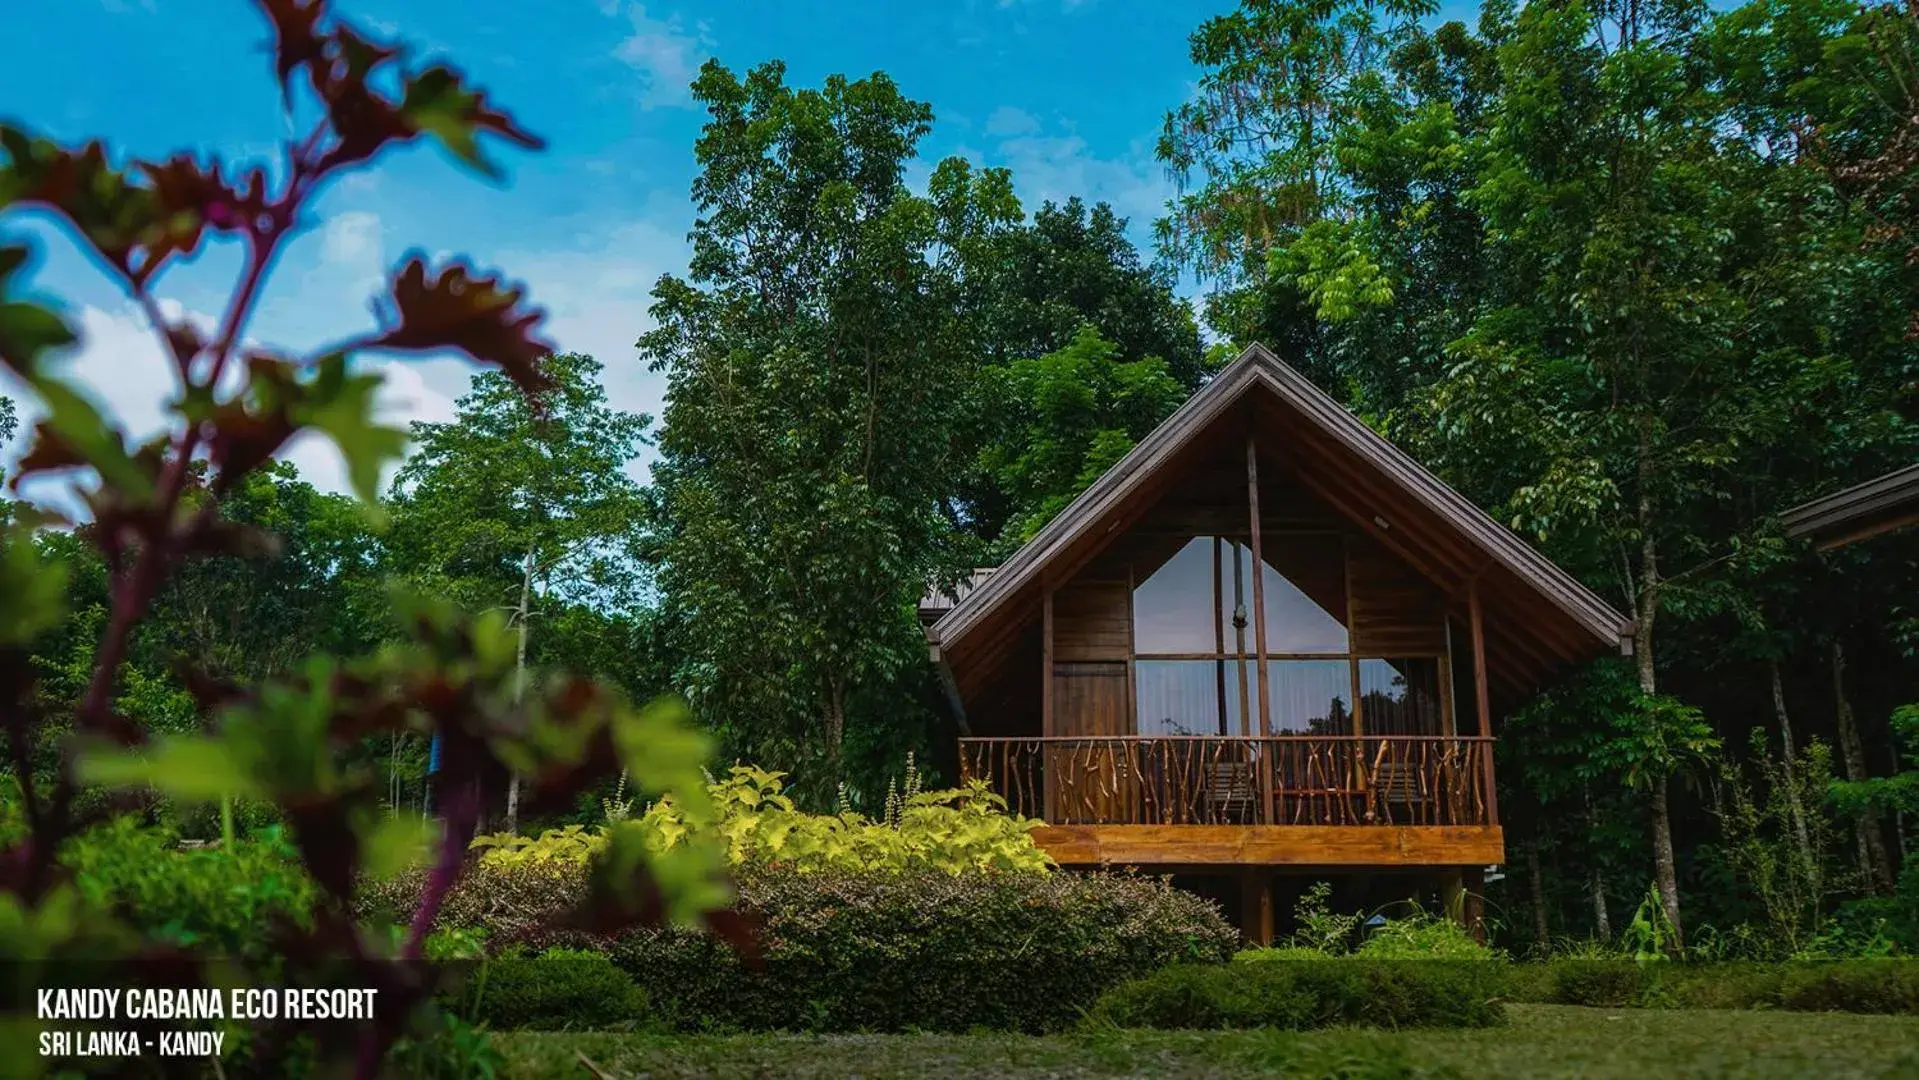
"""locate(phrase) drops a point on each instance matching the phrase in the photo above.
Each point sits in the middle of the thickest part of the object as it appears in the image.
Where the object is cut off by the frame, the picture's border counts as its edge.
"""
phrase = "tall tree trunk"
(1602, 919)
(519, 683)
(835, 729)
(1665, 868)
(1795, 806)
(1873, 863)
(1596, 881)
(1542, 931)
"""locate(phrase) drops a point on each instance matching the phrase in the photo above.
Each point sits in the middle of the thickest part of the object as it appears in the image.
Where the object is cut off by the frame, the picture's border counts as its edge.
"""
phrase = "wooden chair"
(1231, 793)
(1394, 785)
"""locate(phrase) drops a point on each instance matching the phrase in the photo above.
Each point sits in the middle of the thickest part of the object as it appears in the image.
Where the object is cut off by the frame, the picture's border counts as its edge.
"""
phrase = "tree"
(1581, 265)
(1069, 268)
(1069, 416)
(818, 368)
(515, 502)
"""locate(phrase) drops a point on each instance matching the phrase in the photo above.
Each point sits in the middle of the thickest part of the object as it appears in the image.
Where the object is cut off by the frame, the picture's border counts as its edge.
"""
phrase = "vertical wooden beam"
(1482, 699)
(1046, 698)
(1259, 646)
(1256, 905)
(1259, 584)
(1219, 633)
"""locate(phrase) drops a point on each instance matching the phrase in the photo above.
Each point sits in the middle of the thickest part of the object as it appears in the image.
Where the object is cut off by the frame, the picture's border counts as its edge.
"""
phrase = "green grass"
(1540, 1041)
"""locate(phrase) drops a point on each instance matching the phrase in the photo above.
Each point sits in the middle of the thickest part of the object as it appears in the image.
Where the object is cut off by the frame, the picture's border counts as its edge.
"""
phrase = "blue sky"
(1068, 93)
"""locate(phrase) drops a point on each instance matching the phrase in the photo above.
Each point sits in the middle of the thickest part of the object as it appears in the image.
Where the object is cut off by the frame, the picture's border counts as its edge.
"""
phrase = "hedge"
(1299, 994)
(1857, 986)
(559, 989)
(842, 952)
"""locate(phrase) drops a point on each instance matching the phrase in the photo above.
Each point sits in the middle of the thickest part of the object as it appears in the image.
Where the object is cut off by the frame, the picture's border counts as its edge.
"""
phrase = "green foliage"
(1774, 847)
(1299, 994)
(757, 824)
(1650, 936)
(1898, 793)
(228, 901)
(1422, 936)
(508, 491)
(285, 732)
(554, 990)
(1317, 927)
(1069, 416)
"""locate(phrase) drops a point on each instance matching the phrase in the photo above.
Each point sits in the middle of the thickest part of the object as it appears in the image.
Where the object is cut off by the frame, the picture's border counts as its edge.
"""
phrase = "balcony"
(1341, 781)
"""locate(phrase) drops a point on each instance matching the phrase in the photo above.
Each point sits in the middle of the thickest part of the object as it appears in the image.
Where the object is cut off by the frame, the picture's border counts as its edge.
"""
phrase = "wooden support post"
(1482, 699)
(1265, 815)
(1256, 906)
(1474, 908)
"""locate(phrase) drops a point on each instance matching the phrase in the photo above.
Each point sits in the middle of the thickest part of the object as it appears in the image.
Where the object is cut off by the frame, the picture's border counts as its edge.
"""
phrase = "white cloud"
(597, 292)
(1007, 121)
(120, 366)
(351, 237)
(663, 52)
(1052, 164)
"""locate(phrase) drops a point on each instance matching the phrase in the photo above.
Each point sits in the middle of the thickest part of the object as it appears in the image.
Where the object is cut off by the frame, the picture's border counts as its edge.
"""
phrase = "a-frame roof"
(1539, 619)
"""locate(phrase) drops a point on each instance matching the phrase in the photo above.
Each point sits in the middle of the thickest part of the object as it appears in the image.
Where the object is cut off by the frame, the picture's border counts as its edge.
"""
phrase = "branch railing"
(1240, 780)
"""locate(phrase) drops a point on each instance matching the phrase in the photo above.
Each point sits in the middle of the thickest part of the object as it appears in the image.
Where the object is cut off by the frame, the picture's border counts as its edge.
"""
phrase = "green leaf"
(397, 843)
(84, 431)
(342, 405)
(191, 767)
(27, 330)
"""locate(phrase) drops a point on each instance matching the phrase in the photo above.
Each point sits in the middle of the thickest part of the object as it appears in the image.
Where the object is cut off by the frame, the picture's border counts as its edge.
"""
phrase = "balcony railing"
(1240, 780)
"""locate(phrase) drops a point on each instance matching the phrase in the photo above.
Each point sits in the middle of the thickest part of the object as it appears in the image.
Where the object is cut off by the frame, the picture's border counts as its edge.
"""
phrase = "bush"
(1422, 937)
(1859, 986)
(960, 829)
(917, 950)
(554, 990)
(1300, 994)
(223, 901)
(1600, 983)
(925, 951)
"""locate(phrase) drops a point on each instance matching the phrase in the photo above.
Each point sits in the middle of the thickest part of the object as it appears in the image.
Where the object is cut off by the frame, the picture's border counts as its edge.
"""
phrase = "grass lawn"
(1540, 1041)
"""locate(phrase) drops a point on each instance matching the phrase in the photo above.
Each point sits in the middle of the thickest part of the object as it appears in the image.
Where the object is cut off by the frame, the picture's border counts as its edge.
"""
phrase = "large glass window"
(1195, 660)
(1305, 592)
(1190, 697)
(1310, 697)
(1401, 697)
(1176, 610)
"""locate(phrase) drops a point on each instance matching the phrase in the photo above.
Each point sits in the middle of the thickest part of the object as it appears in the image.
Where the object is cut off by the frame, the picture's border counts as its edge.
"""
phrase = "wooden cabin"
(1266, 647)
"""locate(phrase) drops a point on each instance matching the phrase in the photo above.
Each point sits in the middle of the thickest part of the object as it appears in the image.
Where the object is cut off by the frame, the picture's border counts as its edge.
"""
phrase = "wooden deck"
(1303, 846)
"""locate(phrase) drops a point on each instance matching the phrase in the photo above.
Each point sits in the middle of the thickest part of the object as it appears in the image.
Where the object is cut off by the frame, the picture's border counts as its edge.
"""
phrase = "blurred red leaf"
(454, 308)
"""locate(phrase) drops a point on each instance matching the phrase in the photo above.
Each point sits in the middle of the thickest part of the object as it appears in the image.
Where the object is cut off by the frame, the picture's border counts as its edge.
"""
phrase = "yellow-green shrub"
(953, 830)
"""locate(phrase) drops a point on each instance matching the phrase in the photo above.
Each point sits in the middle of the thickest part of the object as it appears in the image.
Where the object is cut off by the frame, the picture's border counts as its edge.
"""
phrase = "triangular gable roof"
(1258, 372)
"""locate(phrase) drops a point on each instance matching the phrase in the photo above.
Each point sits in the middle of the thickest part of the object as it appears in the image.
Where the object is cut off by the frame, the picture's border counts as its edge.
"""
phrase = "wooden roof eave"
(1864, 510)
